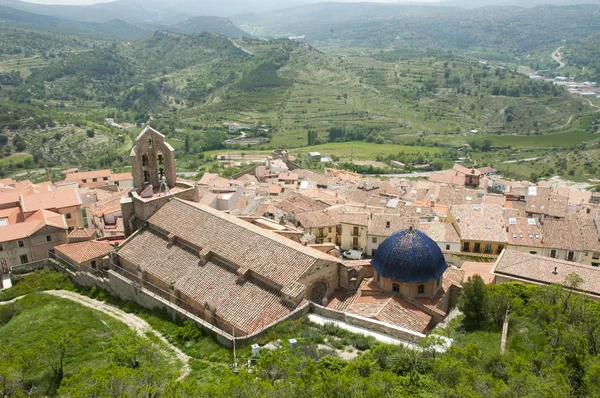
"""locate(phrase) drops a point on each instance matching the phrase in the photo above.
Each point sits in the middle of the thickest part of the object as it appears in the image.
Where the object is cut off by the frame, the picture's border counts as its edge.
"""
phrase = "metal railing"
(74, 267)
(213, 321)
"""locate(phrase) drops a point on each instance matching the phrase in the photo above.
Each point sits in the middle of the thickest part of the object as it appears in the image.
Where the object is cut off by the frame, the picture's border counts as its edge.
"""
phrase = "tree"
(473, 302)
(90, 133)
(55, 350)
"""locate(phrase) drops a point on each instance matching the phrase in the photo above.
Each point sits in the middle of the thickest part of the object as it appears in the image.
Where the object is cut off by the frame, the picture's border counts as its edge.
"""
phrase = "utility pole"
(504, 333)
(235, 367)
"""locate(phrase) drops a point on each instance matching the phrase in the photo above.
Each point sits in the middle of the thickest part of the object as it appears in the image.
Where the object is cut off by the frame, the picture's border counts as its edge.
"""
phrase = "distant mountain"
(163, 12)
(490, 30)
(114, 29)
(520, 3)
(218, 25)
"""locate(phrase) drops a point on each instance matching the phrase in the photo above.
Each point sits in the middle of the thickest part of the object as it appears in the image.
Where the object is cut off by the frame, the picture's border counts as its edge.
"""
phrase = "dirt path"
(11, 301)
(594, 106)
(134, 322)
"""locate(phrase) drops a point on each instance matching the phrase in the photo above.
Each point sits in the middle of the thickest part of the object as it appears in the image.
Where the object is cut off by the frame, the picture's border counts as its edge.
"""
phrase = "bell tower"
(152, 160)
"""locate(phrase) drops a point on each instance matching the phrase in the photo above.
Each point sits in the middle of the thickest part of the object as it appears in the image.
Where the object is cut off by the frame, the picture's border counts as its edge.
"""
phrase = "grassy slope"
(51, 315)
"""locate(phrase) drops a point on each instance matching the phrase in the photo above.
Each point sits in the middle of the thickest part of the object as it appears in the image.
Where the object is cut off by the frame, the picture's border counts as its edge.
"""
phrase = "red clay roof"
(58, 199)
(31, 225)
(84, 251)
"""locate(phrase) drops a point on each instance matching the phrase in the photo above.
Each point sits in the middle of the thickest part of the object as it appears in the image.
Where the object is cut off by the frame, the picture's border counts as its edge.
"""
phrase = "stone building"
(152, 159)
(412, 288)
(231, 273)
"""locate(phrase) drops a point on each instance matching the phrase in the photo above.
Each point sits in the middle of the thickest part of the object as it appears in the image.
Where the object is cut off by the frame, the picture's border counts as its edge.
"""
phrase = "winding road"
(558, 58)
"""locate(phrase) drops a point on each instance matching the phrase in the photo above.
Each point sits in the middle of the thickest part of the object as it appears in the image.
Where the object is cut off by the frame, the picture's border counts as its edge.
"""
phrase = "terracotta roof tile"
(58, 199)
(540, 269)
(249, 305)
(240, 243)
(483, 223)
(84, 251)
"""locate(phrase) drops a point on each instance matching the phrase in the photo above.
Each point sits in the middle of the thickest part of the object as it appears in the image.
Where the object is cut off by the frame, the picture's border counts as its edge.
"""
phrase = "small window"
(329, 229)
(595, 256)
(374, 240)
(21, 243)
(396, 287)
(532, 252)
(421, 289)
(48, 238)
(553, 253)
(1, 248)
(94, 180)
(68, 216)
(387, 224)
(447, 247)
(24, 259)
(94, 264)
(105, 178)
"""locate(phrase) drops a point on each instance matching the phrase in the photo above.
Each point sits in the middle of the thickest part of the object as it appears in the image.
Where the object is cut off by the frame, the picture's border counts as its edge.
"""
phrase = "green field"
(558, 140)
(14, 159)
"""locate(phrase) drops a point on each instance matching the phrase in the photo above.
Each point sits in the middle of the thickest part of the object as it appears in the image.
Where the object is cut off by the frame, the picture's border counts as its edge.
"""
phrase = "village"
(239, 255)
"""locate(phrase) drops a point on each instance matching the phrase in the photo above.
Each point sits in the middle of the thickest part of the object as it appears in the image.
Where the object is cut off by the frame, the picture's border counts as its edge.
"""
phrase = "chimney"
(555, 272)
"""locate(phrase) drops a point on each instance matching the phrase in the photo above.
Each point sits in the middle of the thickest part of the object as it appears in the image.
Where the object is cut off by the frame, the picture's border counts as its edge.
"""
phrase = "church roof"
(409, 256)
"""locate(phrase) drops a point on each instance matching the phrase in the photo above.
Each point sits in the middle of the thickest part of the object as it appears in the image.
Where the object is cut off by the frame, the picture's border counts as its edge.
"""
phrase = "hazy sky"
(78, 2)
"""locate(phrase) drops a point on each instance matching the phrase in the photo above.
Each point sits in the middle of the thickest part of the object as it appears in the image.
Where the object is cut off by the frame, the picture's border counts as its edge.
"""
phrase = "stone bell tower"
(152, 159)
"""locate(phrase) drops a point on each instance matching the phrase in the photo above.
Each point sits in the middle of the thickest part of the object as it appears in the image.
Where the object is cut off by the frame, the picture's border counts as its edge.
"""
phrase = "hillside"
(187, 86)
(494, 30)
(113, 29)
(218, 25)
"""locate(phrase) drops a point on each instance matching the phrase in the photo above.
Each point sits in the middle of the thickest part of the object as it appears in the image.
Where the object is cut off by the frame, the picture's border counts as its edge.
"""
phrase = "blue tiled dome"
(409, 256)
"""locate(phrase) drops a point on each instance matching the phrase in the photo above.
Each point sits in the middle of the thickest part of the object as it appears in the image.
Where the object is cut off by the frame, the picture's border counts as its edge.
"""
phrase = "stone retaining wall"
(371, 324)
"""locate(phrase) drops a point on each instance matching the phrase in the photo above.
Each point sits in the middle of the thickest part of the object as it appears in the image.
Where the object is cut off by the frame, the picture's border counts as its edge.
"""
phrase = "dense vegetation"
(552, 351)
(54, 88)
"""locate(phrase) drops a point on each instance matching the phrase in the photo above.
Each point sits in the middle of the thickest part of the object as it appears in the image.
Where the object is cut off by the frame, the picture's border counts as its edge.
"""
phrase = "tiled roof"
(84, 251)
(248, 305)
(562, 234)
(540, 269)
(494, 199)
(521, 231)
(58, 199)
(547, 202)
(384, 307)
(81, 233)
(121, 177)
(440, 231)
(484, 223)
(378, 223)
(299, 204)
(85, 175)
(471, 268)
(453, 195)
(237, 242)
(316, 219)
(31, 225)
